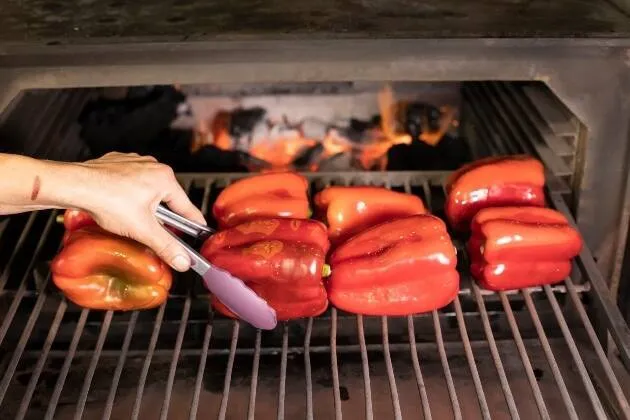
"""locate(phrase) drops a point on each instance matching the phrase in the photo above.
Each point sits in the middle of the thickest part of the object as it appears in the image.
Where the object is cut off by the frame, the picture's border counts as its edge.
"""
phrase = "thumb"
(166, 247)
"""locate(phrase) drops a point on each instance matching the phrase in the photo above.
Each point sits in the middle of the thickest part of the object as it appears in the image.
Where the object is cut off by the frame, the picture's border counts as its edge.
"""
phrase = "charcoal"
(450, 153)
(212, 159)
(308, 156)
(339, 162)
(132, 124)
(453, 152)
(243, 120)
(420, 118)
(355, 131)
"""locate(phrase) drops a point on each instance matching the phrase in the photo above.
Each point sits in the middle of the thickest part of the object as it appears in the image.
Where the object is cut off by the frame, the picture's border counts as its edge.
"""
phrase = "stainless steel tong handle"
(181, 223)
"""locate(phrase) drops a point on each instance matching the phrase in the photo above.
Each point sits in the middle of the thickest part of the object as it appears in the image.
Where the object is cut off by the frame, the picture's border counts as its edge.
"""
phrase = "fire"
(280, 152)
(283, 146)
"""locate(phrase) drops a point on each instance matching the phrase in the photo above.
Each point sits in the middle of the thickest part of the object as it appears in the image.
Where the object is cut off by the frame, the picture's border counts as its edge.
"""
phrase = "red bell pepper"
(517, 247)
(493, 182)
(74, 219)
(99, 270)
(350, 210)
(262, 196)
(280, 259)
(401, 267)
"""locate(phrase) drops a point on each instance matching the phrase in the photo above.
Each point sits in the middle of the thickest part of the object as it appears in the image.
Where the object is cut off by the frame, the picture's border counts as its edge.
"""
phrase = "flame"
(216, 132)
(280, 152)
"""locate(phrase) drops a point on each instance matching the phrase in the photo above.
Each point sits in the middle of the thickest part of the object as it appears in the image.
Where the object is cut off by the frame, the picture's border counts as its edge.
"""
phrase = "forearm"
(29, 184)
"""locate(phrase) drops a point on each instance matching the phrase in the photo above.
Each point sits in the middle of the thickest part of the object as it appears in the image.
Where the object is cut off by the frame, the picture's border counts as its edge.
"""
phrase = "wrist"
(61, 185)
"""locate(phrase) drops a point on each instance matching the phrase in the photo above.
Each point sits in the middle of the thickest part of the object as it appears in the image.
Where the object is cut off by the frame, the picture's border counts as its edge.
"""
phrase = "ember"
(307, 143)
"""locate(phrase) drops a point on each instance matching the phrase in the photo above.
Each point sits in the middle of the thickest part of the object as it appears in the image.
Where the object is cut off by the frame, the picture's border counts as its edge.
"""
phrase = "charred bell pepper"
(401, 267)
(350, 210)
(517, 247)
(99, 270)
(262, 196)
(280, 259)
(493, 182)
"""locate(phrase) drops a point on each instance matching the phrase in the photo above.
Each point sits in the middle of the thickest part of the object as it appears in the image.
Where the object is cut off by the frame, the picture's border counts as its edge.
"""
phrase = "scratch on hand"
(37, 184)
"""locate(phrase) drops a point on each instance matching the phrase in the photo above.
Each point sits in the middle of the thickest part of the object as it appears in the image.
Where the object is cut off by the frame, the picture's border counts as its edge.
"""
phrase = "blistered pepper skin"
(400, 267)
(261, 197)
(493, 182)
(280, 259)
(350, 210)
(516, 247)
(99, 270)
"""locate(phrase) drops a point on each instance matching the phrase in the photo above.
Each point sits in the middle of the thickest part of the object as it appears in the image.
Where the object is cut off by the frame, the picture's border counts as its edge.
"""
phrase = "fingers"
(179, 202)
(165, 246)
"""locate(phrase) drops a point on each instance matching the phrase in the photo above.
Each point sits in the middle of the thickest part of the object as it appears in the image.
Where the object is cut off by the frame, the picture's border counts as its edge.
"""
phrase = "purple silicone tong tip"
(231, 291)
(240, 299)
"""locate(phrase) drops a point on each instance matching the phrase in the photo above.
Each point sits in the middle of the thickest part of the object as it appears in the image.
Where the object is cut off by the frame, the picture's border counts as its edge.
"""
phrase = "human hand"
(122, 192)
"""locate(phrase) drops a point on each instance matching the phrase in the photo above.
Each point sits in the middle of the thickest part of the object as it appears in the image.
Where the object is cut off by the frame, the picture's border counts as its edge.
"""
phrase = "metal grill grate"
(529, 353)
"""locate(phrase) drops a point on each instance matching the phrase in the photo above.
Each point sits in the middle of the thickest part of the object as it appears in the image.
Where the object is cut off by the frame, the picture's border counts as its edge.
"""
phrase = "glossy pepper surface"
(493, 182)
(516, 247)
(280, 259)
(262, 196)
(350, 210)
(401, 267)
(99, 270)
(74, 219)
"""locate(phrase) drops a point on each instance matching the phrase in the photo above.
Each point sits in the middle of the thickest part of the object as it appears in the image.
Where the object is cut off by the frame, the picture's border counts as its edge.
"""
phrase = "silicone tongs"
(231, 291)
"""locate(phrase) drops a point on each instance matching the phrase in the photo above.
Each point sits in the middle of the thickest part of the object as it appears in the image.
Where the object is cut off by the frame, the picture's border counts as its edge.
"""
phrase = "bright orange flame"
(333, 144)
(280, 152)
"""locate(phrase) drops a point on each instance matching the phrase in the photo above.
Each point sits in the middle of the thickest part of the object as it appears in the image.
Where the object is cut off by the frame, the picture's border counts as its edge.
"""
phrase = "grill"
(536, 352)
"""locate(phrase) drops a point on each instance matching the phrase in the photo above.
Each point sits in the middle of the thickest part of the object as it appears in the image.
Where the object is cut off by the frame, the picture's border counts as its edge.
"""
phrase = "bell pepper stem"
(310, 213)
(326, 271)
(59, 218)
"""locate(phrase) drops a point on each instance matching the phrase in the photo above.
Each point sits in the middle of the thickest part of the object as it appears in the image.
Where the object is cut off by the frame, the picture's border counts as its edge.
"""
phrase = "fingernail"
(181, 263)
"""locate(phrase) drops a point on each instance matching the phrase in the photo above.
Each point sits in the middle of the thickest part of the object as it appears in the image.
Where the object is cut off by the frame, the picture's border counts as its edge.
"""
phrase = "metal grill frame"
(588, 281)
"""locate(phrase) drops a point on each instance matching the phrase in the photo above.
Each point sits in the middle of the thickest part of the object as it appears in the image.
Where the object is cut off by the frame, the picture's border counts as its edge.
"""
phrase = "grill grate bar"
(207, 335)
(481, 396)
(448, 339)
(147, 362)
(424, 398)
(457, 412)
(92, 368)
(17, 354)
(494, 351)
(618, 327)
(549, 355)
(566, 332)
(194, 405)
(18, 247)
(52, 405)
(228, 370)
(390, 370)
(251, 411)
(365, 366)
(10, 370)
(610, 375)
(109, 404)
(522, 350)
(307, 368)
(178, 347)
(334, 365)
(41, 361)
(283, 371)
